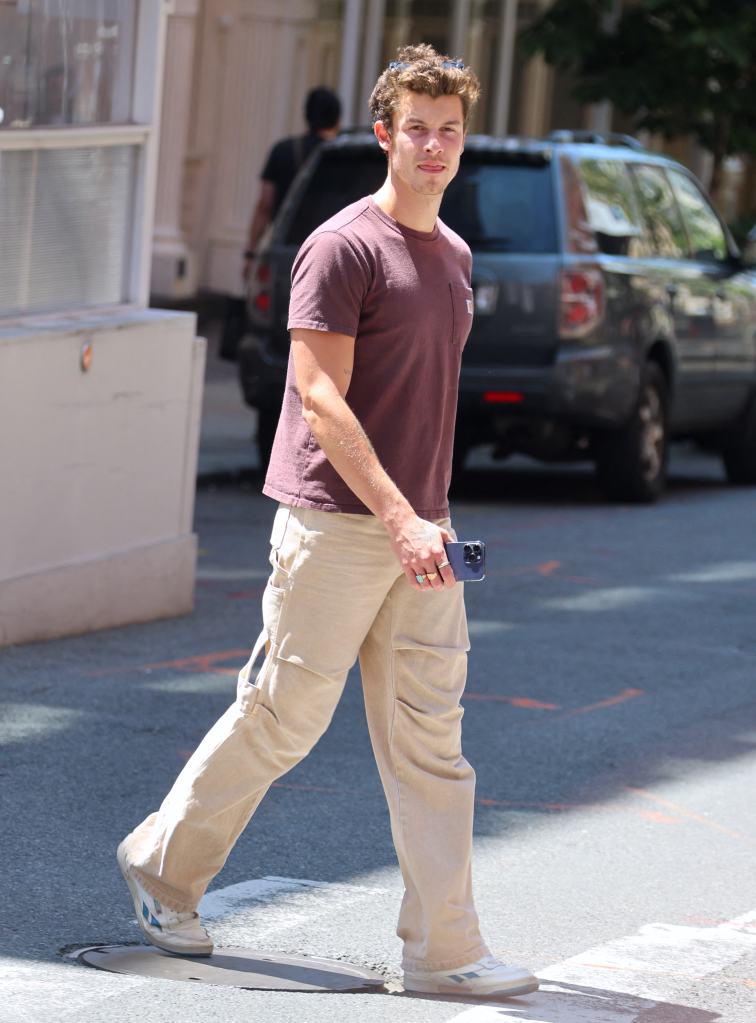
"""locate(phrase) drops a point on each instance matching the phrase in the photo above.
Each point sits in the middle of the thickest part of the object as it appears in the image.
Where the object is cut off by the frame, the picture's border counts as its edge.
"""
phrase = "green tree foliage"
(678, 67)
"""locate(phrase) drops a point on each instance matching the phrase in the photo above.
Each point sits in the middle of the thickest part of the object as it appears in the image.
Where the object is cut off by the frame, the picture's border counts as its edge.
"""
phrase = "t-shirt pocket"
(462, 313)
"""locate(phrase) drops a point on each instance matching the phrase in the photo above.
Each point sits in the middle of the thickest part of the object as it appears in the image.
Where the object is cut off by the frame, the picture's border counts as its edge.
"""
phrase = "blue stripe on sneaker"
(149, 917)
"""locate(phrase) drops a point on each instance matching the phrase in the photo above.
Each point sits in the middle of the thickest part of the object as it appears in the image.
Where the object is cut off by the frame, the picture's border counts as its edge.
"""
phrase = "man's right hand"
(419, 548)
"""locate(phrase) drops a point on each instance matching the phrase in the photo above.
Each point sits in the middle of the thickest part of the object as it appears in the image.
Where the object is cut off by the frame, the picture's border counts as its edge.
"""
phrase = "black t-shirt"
(284, 160)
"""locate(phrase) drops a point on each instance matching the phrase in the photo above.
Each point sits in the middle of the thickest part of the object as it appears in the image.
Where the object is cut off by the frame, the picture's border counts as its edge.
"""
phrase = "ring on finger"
(442, 564)
(430, 576)
(420, 579)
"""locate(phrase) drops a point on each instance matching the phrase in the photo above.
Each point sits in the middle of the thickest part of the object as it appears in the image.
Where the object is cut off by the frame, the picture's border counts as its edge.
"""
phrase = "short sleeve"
(275, 165)
(330, 280)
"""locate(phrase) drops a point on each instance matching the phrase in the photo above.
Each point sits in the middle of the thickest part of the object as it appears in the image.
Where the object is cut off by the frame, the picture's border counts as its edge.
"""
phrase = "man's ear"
(383, 136)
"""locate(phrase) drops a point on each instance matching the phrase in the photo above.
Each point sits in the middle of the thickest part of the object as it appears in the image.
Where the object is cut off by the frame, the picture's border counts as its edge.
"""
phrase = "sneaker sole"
(526, 988)
(181, 950)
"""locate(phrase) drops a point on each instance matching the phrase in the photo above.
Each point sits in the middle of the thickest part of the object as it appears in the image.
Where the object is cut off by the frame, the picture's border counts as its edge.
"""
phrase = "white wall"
(98, 470)
(236, 76)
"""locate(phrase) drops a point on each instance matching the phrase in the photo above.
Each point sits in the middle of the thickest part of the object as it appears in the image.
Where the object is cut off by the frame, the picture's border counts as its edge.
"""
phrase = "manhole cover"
(238, 967)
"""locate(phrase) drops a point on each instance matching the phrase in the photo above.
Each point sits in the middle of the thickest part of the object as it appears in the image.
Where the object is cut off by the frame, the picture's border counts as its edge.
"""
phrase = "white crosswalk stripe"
(643, 976)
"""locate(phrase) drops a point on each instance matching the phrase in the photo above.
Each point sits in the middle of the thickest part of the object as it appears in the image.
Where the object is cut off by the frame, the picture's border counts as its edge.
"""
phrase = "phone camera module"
(472, 554)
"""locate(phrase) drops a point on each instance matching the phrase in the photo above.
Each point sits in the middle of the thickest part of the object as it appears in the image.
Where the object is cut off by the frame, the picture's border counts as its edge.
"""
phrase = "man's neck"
(418, 212)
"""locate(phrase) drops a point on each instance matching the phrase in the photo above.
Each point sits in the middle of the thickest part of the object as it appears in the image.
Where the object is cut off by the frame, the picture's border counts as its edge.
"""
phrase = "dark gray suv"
(613, 311)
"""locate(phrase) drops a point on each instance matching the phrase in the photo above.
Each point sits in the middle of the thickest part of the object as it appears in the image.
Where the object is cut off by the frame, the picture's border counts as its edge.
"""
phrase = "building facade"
(237, 72)
(100, 396)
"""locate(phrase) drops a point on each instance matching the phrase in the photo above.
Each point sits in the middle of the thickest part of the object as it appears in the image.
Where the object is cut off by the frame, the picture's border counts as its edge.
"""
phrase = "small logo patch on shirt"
(469, 306)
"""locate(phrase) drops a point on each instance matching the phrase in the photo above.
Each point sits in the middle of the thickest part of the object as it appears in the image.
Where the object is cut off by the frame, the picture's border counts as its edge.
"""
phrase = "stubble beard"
(432, 188)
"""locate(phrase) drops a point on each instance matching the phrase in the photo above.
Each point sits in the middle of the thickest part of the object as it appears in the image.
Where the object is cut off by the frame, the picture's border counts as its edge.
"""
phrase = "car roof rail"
(609, 138)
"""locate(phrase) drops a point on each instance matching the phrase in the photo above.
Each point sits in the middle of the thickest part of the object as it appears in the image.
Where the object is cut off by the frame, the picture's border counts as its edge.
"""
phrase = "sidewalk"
(227, 446)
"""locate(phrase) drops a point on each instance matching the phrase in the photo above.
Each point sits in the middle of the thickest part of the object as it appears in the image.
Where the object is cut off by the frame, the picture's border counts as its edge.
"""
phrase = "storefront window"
(66, 62)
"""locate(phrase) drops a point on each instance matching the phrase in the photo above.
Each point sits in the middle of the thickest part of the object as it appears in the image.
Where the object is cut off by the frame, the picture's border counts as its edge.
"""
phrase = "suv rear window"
(495, 203)
(500, 205)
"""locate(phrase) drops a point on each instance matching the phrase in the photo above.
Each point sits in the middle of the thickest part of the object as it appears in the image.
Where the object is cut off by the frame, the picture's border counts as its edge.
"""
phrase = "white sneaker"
(486, 978)
(182, 933)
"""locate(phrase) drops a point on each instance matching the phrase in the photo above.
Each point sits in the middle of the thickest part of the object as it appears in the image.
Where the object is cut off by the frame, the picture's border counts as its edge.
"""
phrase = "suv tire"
(631, 462)
(739, 447)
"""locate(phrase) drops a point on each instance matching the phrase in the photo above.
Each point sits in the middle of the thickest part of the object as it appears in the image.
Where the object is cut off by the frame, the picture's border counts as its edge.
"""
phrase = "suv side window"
(660, 211)
(610, 206)
(707, 237)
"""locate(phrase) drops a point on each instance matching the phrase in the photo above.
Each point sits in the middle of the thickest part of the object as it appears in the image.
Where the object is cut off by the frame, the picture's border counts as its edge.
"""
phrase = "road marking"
(690, 814)
(271, 910)
(252, 911)
(634, 978)
(47, 992)
(612, 701)
(515, 701)
(200, 662)
(622, 981)
(315, 899)
(527, 703)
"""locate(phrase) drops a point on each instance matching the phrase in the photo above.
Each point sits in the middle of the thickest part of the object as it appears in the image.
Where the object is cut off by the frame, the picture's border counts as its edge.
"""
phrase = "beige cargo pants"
(337, 592)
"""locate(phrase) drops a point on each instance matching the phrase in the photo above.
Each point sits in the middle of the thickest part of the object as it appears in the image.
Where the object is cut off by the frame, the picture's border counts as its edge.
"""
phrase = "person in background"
(323, 113)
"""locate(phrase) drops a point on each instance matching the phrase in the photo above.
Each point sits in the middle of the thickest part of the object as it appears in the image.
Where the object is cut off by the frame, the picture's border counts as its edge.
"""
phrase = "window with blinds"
(65, 222)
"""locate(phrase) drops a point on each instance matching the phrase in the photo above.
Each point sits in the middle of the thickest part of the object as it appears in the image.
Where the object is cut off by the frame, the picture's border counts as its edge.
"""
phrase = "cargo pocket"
(284, 543)
(462, 313)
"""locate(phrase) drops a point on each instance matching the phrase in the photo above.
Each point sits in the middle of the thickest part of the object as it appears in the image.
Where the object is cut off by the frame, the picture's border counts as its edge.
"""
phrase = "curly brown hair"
(420, 69)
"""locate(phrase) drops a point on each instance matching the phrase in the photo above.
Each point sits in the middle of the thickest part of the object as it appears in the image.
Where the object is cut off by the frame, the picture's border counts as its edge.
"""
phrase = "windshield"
(494, 205)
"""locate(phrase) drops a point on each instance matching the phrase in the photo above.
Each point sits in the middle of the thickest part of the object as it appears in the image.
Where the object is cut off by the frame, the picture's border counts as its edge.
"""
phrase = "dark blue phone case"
(465, 570)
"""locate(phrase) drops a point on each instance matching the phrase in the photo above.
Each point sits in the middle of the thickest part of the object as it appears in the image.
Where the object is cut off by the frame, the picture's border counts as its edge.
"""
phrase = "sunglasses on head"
(401, 65)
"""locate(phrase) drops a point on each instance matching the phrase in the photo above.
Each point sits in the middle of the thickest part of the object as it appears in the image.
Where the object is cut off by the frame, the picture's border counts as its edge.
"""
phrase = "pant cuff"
(163, 893)
(431, 965)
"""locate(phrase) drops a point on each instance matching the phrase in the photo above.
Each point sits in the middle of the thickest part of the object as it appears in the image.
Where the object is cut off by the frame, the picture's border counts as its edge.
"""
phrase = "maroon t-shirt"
(405, 296)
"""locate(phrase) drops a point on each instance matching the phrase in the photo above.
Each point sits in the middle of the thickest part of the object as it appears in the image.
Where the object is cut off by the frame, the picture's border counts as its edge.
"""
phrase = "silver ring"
(443, 564)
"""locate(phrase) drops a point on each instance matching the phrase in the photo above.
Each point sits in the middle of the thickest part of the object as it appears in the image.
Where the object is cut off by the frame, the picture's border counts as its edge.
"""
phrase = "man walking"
(380, 310)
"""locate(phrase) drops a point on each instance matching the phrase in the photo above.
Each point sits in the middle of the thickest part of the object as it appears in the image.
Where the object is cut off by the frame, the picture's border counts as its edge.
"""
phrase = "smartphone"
(467, 559)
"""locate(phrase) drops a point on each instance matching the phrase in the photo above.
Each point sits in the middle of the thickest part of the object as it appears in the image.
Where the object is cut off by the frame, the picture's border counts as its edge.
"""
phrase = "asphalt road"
(610, 715)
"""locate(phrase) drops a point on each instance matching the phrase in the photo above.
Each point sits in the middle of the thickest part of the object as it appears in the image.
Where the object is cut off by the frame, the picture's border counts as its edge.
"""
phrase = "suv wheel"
(632, 462)
(739, 447)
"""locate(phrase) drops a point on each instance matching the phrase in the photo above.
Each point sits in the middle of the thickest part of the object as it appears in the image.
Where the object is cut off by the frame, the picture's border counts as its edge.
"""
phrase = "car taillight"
(581, 301)
(260, 298)
(503, 397)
